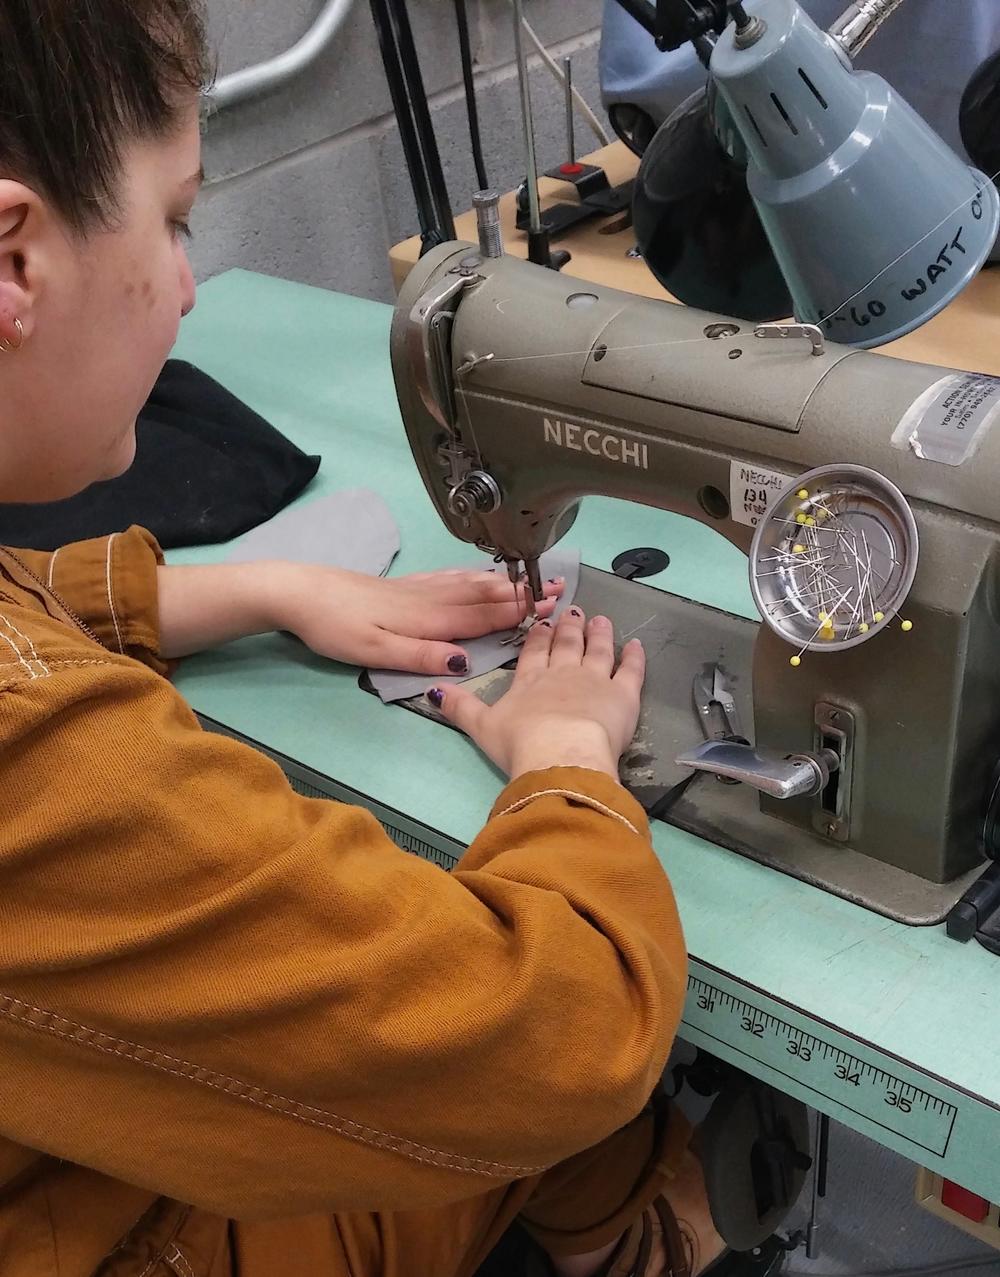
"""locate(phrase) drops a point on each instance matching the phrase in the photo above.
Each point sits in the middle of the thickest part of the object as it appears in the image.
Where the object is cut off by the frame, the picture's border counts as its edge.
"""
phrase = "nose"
(188, 287)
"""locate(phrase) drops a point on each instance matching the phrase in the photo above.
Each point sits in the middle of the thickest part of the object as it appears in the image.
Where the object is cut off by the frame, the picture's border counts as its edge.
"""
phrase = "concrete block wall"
(309, 183)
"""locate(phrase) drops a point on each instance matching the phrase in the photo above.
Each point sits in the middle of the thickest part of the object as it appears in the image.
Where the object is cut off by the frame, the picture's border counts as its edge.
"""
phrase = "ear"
(22, 223)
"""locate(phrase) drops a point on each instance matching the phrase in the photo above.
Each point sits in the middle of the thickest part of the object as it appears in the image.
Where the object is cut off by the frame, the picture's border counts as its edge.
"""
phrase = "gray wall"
(310, 183)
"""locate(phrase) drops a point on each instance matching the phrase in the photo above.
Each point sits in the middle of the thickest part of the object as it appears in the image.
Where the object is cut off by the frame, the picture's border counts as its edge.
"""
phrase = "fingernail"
(458, 664)
(436, 697)
(556, 580)
(547, 624)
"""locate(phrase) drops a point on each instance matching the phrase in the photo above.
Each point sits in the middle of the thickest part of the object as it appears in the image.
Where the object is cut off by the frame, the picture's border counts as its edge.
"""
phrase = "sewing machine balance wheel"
(834, 558)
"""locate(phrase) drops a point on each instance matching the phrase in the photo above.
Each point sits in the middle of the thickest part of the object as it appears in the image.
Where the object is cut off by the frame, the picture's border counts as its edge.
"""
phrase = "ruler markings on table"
(912, 1112)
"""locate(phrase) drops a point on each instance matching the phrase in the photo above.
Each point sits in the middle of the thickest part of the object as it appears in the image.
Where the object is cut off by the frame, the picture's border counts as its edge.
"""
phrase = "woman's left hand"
(402, 623)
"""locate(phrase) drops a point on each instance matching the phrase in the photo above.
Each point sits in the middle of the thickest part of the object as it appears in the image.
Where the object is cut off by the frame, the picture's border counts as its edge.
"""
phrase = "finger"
(418, 655)
(631, 672)
(476, 587)
(567, 646)
(461, 707)
(471, 622)
(599, 654)
(535, 652)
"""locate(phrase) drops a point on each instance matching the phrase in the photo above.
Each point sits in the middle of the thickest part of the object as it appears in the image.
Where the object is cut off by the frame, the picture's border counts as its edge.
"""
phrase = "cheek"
(156, 310)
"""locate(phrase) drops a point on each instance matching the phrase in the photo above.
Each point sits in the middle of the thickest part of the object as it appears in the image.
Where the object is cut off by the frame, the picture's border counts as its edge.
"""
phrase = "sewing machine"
(875, 724)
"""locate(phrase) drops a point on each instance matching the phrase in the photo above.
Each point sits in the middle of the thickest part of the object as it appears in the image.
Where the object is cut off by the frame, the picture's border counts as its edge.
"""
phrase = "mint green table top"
(892, 1030)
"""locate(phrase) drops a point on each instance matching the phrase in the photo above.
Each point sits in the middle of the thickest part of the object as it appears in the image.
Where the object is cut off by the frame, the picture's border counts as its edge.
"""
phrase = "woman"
(240, 1032)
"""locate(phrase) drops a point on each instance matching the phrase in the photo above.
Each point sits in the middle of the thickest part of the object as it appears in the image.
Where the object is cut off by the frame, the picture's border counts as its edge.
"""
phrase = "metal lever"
(798, 775)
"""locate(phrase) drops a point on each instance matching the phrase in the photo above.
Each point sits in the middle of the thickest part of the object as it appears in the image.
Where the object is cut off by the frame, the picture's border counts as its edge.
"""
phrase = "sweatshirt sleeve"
(110, 584)
(215, 989)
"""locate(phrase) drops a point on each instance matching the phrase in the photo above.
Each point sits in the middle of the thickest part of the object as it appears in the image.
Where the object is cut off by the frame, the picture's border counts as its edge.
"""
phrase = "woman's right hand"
(568, 705)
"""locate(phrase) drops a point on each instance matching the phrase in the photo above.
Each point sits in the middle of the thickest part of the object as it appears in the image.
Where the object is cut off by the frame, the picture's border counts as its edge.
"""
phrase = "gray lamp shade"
(875, 222)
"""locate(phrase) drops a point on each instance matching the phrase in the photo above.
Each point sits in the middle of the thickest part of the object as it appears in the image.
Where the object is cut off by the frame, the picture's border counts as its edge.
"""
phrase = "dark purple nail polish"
(458, 664)
(575, 611)
(547, 624)
(554, 580)
(436, 697)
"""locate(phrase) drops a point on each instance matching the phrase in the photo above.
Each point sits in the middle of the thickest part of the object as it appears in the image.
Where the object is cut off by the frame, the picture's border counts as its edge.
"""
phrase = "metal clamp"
(812, 334)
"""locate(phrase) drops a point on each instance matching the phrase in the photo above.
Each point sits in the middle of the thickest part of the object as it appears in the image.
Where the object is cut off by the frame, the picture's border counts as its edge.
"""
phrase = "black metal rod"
(409, 100)
(471, 106)
(404, 120)
(822, 1154)
(421, 114)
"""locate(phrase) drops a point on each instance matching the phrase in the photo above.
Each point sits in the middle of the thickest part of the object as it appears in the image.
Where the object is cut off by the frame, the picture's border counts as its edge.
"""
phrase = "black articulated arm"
(673, 23)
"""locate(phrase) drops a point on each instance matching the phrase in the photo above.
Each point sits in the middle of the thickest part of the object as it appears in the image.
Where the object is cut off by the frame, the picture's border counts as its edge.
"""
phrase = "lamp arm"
(859, 22)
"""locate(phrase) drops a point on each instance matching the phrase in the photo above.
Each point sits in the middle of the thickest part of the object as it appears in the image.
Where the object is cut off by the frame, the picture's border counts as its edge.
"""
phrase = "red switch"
(571, 170)
(962, 1202)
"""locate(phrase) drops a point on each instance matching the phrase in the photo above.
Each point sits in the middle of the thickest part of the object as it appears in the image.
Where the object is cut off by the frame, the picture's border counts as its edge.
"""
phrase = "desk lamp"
(874, 223)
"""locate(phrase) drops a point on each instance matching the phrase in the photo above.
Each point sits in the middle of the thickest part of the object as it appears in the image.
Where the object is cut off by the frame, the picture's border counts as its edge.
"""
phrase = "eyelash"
(181, 229)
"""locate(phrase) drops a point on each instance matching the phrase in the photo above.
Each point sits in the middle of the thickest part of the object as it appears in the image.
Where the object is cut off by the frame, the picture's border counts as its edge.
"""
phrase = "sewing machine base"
(679, 637)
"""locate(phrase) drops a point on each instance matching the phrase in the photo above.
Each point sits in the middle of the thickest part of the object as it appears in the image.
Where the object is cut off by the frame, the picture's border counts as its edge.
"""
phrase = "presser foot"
(521, 633)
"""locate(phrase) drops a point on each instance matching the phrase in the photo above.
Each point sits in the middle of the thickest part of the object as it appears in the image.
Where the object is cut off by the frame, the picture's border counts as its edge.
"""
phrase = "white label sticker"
(752, 492)
(949, 420)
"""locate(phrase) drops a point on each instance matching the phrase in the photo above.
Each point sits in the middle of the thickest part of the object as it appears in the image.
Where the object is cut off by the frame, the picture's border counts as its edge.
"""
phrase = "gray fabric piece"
(353, 529)
(485, 654)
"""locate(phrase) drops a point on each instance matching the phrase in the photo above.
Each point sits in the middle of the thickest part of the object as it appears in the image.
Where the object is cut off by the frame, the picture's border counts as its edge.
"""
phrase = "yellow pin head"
(810, 521)
(795, 662)
(879, 616)
(906, 626)
(864, 627)
(827, 632)
(803, 494)
(798, 549)
(800, 517)
(822, 514)
(824, 618)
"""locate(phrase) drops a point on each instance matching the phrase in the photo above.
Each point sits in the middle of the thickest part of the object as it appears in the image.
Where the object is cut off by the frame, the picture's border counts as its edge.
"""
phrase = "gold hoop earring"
(6, 348)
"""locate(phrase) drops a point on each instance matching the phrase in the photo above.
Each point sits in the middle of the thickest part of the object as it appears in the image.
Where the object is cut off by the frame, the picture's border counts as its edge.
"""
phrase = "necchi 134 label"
(752, 492)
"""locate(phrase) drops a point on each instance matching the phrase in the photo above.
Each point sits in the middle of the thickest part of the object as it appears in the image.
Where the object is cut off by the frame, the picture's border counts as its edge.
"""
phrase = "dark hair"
(82, 78)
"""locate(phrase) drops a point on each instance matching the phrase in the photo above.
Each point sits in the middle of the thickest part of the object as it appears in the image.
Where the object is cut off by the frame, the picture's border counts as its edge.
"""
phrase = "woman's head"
(99, 167)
